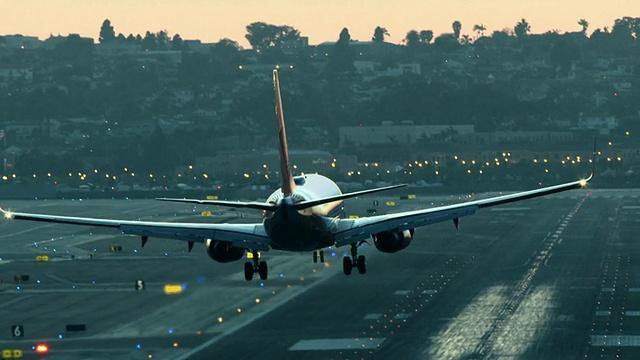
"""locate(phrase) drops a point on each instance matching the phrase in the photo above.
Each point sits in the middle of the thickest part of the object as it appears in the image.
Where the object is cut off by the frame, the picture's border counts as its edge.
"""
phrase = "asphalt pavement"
(551, 278)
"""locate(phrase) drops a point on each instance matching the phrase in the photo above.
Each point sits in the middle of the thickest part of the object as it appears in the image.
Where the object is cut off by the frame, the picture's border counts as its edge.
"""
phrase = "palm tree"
(465, 40)
(479, 29)
(522, 28)
(457, 26)
(585, 25)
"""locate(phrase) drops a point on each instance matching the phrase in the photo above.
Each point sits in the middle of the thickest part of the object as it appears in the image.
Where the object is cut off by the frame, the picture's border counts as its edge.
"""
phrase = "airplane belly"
(298, 232)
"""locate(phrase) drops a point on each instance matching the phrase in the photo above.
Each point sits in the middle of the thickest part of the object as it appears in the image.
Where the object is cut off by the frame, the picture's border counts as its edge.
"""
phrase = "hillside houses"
(430, 93)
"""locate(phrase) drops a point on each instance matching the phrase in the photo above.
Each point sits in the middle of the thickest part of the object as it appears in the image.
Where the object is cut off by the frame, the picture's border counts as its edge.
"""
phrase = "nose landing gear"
(318, 254)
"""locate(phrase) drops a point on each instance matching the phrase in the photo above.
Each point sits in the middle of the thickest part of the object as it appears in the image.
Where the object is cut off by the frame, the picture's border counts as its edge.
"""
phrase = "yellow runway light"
(42, 258)
(206, 213)
(250, 255)
(172, 289)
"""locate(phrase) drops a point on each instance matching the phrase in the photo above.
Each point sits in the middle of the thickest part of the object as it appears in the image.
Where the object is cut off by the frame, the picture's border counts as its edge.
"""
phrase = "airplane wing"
(349, 231)
(248, 236)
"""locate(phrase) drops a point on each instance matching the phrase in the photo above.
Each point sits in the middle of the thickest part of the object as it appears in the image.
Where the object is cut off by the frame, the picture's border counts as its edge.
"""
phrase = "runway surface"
(550, 278)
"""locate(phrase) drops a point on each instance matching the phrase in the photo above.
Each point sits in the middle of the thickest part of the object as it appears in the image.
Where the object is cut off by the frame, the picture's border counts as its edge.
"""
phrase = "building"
(405, 134)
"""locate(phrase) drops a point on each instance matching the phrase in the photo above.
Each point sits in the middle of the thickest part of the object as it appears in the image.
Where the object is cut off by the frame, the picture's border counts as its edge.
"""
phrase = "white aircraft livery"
(304, 214)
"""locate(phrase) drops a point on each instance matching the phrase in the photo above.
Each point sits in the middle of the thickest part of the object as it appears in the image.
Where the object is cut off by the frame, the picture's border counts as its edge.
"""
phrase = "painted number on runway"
(17, 331)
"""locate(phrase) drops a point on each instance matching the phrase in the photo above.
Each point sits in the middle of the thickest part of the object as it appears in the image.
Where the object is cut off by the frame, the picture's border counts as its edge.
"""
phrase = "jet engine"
(393, 241)
(223, 251)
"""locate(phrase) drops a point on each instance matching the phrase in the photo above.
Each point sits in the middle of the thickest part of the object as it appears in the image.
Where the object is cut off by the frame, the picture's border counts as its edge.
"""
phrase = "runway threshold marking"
(615, 340)
(337, 344)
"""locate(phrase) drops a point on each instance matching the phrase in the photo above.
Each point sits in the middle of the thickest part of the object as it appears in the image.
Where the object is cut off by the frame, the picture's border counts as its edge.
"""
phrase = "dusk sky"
(211, 20)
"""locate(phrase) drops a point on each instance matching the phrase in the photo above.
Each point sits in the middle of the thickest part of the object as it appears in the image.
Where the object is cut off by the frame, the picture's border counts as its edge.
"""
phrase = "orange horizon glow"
(320, 21)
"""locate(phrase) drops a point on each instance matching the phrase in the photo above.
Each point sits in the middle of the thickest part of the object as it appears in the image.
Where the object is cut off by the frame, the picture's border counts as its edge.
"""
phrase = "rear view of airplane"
(304, 214)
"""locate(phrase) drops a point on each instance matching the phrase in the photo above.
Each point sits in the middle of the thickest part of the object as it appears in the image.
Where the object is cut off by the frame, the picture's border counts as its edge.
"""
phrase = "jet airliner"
(304, 215)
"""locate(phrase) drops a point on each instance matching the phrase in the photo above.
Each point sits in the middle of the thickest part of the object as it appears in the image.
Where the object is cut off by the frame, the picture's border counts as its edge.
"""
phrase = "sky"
(212, 20)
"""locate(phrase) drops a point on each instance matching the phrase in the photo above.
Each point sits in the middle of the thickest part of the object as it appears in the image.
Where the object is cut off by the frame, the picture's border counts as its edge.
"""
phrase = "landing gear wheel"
(362, 264)
(321, 256)
(315, 256)
(347, 265)
(248, 271)
(263, 271)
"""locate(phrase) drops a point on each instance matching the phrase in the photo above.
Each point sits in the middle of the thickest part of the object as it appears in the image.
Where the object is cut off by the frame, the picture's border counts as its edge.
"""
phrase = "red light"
(42, 348)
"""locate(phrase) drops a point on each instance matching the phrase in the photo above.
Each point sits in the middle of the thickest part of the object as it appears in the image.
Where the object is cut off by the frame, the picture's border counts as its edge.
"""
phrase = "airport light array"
(444, 166)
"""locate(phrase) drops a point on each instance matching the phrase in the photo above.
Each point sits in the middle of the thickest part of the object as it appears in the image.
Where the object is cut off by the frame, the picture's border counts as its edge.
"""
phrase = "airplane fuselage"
(308, 229)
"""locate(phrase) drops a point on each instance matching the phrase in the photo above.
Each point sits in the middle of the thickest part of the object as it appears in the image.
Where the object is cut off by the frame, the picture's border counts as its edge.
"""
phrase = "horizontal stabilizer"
(272, 207)
(235, 204)
(310, 203)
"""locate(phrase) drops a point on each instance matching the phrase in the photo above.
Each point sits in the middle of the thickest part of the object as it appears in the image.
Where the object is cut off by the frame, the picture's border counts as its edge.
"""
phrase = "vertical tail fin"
(288, 186)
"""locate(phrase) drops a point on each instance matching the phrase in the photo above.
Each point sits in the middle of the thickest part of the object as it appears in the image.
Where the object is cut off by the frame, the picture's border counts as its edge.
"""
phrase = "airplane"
(305, 214)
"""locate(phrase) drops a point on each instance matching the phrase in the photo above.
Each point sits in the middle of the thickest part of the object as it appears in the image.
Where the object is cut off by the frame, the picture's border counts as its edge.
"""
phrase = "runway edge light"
(42, 348)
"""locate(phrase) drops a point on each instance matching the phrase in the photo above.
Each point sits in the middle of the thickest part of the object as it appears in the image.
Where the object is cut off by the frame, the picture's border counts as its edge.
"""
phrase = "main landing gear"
(360, 262)
(255, 266)
(318, 254)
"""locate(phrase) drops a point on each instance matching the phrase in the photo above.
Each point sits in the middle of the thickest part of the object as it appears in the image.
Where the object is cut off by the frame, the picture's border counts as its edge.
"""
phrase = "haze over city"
(319, 21)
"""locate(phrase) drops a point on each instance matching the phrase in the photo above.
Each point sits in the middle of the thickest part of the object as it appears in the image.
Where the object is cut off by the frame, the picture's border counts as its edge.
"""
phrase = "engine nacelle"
(393, 241)
(224, 251)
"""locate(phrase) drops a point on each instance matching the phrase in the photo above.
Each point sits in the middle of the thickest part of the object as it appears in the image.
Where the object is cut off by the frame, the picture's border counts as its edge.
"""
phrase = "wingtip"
(7, 214)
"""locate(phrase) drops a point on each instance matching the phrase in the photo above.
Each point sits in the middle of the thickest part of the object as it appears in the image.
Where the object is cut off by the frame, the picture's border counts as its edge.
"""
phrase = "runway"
(553, 278)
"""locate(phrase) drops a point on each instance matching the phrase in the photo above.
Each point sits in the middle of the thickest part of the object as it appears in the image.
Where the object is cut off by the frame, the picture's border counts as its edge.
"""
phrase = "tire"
(263, 271)
(315, 256)
(362, 264)
(248, 271)
(347, 265)
(321, 256)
